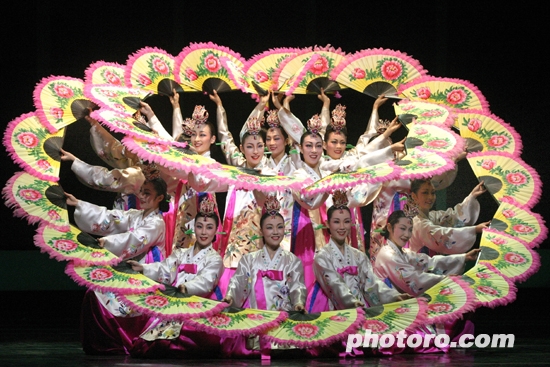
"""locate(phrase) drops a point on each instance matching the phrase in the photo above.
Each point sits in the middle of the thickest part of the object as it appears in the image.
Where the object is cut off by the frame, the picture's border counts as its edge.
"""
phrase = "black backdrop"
(501, 49)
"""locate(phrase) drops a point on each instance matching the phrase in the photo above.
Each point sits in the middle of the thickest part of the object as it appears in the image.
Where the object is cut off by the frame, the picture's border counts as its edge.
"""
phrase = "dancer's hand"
(66, 156)
(481, 226)
(70, 199)
(478, 190)
(215, 98)
(135, 265)
(472, 254)
(175, 99)
(379, 102)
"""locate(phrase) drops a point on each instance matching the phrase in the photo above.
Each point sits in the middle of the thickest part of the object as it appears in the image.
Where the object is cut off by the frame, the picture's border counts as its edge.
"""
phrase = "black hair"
(393, 219)
(262, 134)
(160, 187)
(268, 214)
(416, 184)
(332, 209)
(215, 217)
(330, 129)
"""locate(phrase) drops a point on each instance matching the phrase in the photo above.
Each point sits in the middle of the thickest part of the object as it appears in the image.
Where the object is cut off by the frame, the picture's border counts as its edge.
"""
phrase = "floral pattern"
(394, 317)
(389, 69)
(453, 96)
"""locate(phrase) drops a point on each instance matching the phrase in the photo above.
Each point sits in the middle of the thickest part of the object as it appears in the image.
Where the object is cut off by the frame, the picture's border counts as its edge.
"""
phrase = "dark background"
(501, 49)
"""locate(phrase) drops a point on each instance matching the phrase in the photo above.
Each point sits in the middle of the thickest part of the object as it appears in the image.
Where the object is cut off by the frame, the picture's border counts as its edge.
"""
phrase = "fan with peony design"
(419, 163)
(509, 255)
(391, 318)
(198, 67)
(37, 200)
(435, 138)
(120, 279)
(73, 245)
(101, 72)
(129, 126)
(152, 69)
(315, 329)
(490, 288)
(308, 72)
(520, 222)
(33, 147)
(180, 161)
(261, 67)
(169, 303)
(448, 300)
(240, 78)
(340, 181)
(454, 93)
(436, 114)
(251, 179)
(60, 101)
(377, 71)
(234, 321)
(117, 98)
(506, 177)
(486, 132)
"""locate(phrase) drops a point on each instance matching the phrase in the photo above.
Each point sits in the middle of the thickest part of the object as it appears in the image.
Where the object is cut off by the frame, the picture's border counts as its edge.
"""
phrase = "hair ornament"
(314, 124)
(200, 115)
(410, 208)
(207, 206)
(188, 127)
(253, 126)
(339, 199)
(382, 125)
(273, 118)
(272, 205)
(151, 171)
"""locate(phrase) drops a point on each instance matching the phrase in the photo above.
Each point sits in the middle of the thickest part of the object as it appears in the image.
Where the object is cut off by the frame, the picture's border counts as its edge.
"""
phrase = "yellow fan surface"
(520, 222)
(391, 318)
(261, 68)
(425, 112)
(101, 72)
(491, 289)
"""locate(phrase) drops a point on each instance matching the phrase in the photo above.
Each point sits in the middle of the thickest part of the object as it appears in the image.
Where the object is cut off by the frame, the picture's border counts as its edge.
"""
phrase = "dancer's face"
(253, 149)
(148, 197)
(401, 232)
(202, 139)
(312, 149)
(425, 196)
(336, 145)
(275, 141)
(273, 231)
(340, 225)
(205, 230)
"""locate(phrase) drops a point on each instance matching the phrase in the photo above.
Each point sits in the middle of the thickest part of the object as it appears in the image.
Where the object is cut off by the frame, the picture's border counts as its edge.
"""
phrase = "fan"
(455, 93)
(487, 132)
(436, 138)
(181, 161)
(391, 318)
(436, 114)
(129, 126)
(33, 147)
(510, 256)
(340, 181)
(198, 67)
(170, 304)
(152, 69)
(261, 68)
(316, 329)
(101, 72)
(74, 245)
(37, 200)
(507, 177)
(377, 71)
(234, 321)
(250, 179)
(490, 288)
(120, 279)
(518, 221)
(117, 98)
(59, 101)
(240, 79)
(420, 163)
(448, 300)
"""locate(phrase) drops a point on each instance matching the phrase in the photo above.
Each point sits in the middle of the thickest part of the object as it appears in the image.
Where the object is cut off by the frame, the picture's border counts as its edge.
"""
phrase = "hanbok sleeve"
(332, 282)
(155, 124)
(231, 151)
(257, 112)
(108, 148)
(239, 287)
(177, 123)
(127, 180)
(164, 271)
(291, 124)
(297, 287)
(375, 290)
(207, 278)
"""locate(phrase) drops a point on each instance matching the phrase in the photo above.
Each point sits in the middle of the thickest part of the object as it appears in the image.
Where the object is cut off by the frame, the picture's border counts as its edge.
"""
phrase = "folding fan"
(37, 200)
(117, 98)
(455, 93)
(261, 67)
(487, 132)
(426, 112)
(101, 72)
(170, 304)
(448, 300)
(507, 254)
(234, 321)
(420, 163)
(507, 177)
(340, 181)
(490, 288)
(59, 101)
(181, 161)
(152, 69)
(74, 245)
(250, 179)
(518, 221)
(436, 138)
(377, 71)
(239, 78)
(120, 279)
(316, 329)
(198, 66)
(33, 147)
(310, 71)
(129, 126)
(391, 318)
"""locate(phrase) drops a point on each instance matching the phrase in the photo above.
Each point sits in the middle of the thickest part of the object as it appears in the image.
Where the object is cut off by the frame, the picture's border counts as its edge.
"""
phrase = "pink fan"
(433, 113)
(117, 98)
(261, 68)
(101, 72)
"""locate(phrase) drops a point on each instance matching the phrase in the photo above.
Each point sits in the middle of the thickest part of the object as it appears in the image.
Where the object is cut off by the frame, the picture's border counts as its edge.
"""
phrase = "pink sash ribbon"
(188, 268)
(259, 286)
(351, 270)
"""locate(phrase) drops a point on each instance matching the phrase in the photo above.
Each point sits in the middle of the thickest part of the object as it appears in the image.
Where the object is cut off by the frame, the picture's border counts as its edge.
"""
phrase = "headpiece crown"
(410, 208)
(338, 120)
(273, 118)
(339, 199)
(200, 115)
(188, 127)
(272, 205)
(151, 171)
(207, 206)
(253, 126)
(314, 124)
